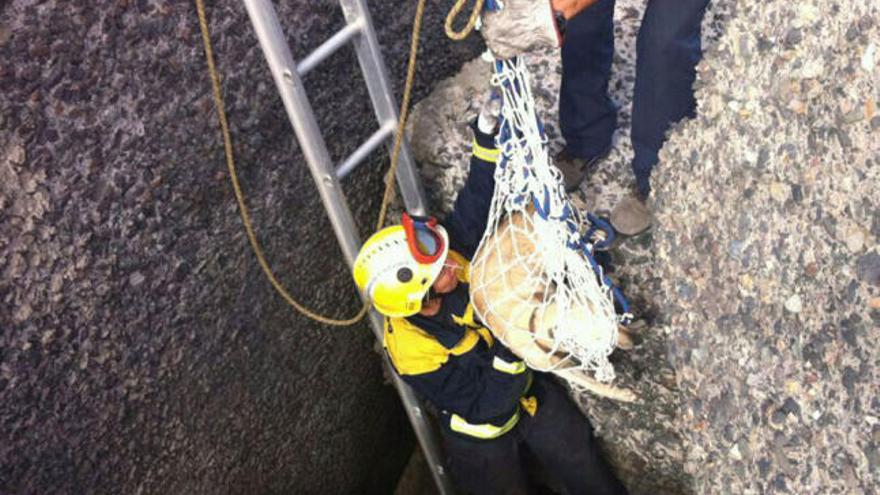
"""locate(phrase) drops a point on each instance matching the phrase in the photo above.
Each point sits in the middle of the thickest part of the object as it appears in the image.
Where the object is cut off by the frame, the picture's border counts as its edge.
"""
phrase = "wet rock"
(136, 279)
(793, 37)
(790, 406)
(794, 304)
(868, 268)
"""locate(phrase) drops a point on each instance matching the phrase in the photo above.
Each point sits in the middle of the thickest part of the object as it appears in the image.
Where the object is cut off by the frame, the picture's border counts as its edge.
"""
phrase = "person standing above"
(667, 51)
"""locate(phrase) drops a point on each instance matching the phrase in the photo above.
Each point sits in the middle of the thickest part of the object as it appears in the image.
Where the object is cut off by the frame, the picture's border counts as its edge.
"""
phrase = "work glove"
(520, 26)
(490, 113)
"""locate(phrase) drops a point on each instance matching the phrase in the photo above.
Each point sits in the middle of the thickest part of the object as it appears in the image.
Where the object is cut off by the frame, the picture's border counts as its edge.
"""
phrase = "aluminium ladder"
(287, 75)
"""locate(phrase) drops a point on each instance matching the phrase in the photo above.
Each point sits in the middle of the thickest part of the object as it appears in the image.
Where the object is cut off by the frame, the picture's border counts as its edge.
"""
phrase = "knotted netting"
(534, 280)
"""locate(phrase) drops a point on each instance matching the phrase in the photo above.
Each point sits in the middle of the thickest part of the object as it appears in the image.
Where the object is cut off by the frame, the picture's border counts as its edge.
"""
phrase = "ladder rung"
(327, 48)
(365, 149)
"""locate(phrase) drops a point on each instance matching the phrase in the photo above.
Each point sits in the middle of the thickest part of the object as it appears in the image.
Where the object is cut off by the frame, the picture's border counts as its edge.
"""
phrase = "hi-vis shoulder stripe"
(485, 431)
(483, 153)
(503, 366)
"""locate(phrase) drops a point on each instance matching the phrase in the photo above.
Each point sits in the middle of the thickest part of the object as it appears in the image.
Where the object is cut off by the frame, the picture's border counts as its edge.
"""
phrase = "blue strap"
(544, 210)
(566, 213)
(597, 223)
(491, 5)
(626, 317)
(499, 67)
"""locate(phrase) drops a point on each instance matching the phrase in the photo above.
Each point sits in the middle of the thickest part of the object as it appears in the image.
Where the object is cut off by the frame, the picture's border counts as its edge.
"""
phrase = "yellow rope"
(472, 20)
(233, 175)
(404, 111)
(239, 196)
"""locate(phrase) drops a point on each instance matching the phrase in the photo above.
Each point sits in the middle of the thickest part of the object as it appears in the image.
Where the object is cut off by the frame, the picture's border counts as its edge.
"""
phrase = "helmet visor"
(424, 240)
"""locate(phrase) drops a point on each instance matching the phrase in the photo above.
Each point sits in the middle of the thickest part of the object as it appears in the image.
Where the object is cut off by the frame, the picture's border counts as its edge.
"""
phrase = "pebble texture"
(767, 254)
(760, 282)
(141, 349)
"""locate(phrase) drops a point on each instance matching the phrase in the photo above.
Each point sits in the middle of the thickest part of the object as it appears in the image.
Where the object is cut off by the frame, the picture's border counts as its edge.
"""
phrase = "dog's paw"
(624, 339)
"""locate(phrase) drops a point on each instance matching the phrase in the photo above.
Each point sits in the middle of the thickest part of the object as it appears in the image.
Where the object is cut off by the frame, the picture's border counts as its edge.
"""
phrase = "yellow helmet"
(396, 267)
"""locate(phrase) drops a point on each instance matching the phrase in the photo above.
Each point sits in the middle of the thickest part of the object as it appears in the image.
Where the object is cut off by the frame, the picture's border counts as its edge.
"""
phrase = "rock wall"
(141, 349)
(760, 281)
(767, 254)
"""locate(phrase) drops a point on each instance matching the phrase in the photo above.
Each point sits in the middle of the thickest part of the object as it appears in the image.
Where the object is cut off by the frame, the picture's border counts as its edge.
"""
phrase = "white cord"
(575, 308)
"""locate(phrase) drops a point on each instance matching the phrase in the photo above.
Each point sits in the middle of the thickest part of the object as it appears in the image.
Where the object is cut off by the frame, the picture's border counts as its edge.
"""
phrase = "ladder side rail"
(370, 58)
(369, 55)
(301, 116)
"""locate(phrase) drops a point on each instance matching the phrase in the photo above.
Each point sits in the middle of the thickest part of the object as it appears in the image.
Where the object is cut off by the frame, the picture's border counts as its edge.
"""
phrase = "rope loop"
(471, 22)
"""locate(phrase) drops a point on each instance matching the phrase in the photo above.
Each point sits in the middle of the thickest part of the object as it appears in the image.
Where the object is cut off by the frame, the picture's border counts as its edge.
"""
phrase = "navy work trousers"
(559, 437)
(667, 51)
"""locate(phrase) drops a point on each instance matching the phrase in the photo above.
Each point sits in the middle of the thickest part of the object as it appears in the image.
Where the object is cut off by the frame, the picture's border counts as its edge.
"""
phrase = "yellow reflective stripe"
(466, 343)
(483, 153)
(467, 319)
(469, 315)
(485, 431)
(503, 366)
(487, 335)
(530, 404)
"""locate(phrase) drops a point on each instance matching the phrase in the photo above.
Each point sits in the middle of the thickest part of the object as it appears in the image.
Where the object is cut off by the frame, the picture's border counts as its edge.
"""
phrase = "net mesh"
(534, 282)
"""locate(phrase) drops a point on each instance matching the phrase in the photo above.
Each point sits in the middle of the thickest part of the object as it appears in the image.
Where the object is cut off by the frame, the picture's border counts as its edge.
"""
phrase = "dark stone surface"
(141, 349)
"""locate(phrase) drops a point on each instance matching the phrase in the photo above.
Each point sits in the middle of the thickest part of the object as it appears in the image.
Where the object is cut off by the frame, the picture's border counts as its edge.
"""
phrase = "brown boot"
(575, 170)
(631, 216)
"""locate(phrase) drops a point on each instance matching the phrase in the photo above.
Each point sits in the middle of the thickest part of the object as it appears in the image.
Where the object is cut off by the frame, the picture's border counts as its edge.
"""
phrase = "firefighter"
(492, 409)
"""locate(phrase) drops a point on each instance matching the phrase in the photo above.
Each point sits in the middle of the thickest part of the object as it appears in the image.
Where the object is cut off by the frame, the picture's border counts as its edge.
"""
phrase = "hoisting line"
(233, 175)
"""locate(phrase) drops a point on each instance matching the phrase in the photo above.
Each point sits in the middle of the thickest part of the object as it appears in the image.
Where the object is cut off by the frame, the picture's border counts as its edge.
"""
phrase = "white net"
(532, 280)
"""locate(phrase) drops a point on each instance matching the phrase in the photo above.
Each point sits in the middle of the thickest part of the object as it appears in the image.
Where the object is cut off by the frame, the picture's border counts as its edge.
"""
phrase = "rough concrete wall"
(767, 254)
(141, 349)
